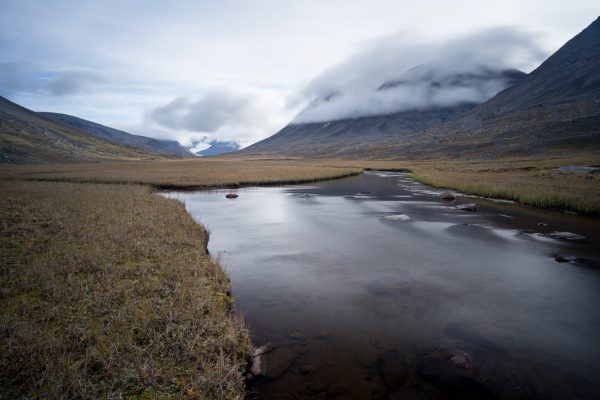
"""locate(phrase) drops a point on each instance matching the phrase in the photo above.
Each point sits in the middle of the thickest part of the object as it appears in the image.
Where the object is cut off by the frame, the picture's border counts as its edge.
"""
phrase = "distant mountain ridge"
(167, 147)
(27, 137)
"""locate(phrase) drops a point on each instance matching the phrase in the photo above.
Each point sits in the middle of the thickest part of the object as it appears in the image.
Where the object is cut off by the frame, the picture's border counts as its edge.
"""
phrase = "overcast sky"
(240, 70)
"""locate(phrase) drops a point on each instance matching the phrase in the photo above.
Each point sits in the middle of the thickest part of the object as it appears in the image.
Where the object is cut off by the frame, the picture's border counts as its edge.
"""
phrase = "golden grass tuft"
(107, 291)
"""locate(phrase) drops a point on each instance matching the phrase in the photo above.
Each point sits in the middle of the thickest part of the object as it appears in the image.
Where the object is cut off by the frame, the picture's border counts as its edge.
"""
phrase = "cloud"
(18, 78)
(72, 82)
(399, 73)
(207, 114)
(223, 115)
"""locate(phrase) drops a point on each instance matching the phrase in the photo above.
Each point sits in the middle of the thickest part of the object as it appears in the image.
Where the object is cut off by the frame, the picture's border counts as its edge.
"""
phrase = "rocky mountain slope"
(556, 108)
(366, 134)
(27, 137)
(168, 147)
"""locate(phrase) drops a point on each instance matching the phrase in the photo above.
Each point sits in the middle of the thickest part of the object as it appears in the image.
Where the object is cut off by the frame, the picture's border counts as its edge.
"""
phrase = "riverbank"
(529, 181)
(107, 291)
(97, 298)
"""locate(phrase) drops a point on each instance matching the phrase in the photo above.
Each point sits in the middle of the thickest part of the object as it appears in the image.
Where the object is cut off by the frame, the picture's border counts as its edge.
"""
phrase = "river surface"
(372, 287)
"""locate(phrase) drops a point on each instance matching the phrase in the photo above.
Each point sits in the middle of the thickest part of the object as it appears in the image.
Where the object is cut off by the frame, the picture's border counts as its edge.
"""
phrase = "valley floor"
(107, 291)
(529, 181)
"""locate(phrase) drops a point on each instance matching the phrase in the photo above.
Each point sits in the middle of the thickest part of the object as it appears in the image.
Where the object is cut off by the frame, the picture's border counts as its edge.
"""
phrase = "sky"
(199, 71)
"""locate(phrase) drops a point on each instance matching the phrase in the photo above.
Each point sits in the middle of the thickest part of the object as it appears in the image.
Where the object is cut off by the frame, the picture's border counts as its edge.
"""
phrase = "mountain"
(167, 147)
(217, 147)
(553, 110)
(364, 135)
(27, 137)
(556, 108)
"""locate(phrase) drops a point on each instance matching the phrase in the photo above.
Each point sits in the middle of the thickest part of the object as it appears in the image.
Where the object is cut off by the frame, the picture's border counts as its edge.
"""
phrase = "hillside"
(167, 147)
(26, 137)
(364, 135)
(555, 109)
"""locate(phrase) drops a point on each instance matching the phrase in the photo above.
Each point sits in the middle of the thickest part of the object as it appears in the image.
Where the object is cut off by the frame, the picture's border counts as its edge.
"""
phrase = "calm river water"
(372, 287)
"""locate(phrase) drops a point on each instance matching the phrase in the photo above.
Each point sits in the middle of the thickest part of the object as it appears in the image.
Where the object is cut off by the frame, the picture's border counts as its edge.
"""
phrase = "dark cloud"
(208, 114)
(72, 82)
(16, 78)
(397, 73)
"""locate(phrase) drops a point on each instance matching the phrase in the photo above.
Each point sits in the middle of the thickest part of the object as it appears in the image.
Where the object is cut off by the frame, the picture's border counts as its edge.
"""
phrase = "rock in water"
(279, 361)
(467, 207)
(566, 236)
(393, 368)
(259, 364)
(447, 196)
(231, 195)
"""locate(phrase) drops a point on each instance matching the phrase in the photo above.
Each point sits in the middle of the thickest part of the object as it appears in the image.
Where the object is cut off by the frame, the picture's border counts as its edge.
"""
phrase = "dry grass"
(185, 173)
(107, 291)
(529, 181)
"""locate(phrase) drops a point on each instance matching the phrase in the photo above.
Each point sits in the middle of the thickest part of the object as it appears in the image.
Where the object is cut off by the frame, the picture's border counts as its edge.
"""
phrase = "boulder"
(259, 364)
(467, 207)
(566, 236)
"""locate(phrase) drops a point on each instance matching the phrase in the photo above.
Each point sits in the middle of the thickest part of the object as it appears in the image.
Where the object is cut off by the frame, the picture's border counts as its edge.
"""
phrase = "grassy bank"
(185, 173)
(533, 182)
(106, 291)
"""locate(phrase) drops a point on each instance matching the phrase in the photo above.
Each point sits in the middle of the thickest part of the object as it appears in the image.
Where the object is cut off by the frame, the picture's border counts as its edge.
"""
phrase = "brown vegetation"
(107, 291)
(529, 181)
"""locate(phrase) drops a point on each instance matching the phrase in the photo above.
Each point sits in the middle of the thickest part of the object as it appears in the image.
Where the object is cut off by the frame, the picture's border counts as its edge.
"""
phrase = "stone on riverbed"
(259, 364)
(566, 236)
(467, 207)
(231, 195)
(279, 361)
(393, 368)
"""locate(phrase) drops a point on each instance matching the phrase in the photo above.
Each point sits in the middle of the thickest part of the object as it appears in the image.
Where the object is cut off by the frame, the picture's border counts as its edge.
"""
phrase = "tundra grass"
(107, 291)
(530, 181)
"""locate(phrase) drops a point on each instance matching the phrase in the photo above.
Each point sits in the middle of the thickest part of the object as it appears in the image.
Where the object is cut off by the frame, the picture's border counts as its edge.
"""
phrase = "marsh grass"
(530, 181)
(536, 183)
(107, 291)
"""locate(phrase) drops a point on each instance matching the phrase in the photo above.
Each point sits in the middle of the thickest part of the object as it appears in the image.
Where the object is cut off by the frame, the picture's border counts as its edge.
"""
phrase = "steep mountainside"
(555, 109)
(26, 137)
(363, 135)
(168, 147)
(346, 137)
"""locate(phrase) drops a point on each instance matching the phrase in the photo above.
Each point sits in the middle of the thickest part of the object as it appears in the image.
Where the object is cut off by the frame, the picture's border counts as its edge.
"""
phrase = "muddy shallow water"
(372, 287)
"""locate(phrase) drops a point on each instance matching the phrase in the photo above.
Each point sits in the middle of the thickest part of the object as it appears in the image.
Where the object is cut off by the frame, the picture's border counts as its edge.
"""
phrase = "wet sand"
(374, 287)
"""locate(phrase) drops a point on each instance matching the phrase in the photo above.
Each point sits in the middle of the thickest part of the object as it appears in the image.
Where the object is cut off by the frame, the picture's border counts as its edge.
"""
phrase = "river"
(372, 287)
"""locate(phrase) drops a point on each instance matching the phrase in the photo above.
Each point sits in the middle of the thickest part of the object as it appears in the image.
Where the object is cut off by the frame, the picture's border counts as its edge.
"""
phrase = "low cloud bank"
(397, 74)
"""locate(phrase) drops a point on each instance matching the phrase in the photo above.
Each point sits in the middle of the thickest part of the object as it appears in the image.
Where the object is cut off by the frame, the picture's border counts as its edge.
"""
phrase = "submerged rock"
(467, 207)
(393, 368)
(566, 236)
(452, 372)
(259, 364)
(397, 217)
(231, 195)
(279, 361)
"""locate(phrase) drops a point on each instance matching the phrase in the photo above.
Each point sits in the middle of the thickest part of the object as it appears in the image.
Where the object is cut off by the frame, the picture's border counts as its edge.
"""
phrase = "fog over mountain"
(399, 73)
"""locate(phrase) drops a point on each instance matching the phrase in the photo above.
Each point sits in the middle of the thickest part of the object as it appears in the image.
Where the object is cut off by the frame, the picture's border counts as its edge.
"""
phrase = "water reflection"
(361, 303)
